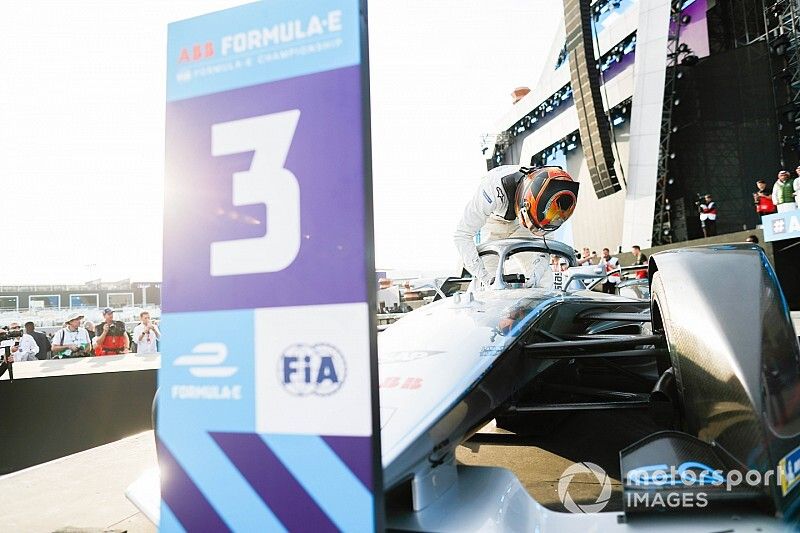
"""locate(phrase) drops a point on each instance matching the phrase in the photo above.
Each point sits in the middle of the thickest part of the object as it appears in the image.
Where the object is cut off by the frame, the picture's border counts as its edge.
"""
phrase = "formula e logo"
(205, 361)
(306, 369)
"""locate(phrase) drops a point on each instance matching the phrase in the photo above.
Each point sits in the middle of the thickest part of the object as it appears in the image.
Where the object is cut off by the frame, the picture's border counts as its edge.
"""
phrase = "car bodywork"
(717, 369)
(707, 367)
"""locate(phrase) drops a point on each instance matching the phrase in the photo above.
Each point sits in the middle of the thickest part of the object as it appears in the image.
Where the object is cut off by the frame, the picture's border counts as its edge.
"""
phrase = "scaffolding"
(662, 230)
(782, 20)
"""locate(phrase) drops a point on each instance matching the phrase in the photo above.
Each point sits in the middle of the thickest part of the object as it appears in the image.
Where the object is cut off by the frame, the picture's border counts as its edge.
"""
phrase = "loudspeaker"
(585, 80)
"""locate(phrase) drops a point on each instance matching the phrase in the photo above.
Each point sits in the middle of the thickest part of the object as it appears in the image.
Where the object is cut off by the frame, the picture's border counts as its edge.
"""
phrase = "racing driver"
(514, 201)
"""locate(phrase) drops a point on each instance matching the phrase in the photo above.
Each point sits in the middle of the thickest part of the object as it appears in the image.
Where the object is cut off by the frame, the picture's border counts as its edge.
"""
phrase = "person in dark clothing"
(41, 341)
(639, 259)
(763, 199)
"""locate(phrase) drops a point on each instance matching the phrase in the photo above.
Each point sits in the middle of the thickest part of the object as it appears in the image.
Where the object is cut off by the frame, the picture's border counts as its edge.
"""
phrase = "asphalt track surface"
(85, 492)
(596, 437)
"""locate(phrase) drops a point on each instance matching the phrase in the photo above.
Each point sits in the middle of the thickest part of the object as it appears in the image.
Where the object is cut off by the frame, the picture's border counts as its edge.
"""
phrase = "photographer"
(6, 357)
(111, 339)
(72, 340)
(146, 335)
(24, 348)
(708, 215)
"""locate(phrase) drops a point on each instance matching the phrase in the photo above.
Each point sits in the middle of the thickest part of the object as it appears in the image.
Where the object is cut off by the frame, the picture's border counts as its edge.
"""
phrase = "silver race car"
(711, 358)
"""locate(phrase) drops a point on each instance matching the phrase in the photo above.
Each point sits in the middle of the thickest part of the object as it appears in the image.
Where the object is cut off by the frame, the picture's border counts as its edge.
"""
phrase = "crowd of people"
(784, 197)
(82, 338)
(609, 264)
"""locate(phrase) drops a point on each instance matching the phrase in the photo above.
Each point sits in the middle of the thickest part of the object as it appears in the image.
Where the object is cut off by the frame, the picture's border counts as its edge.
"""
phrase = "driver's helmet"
(545, 199)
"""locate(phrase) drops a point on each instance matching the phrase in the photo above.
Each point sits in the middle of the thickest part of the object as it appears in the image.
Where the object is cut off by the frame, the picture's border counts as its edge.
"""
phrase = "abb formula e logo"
(206, 359)
(266, 182)
(311, 369)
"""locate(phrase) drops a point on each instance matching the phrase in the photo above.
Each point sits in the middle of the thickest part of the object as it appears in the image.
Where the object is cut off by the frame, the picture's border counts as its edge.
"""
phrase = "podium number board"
(268, 386)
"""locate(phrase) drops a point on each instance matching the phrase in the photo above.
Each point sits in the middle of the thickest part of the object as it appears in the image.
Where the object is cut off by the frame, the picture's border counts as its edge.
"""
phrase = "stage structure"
(700, 98)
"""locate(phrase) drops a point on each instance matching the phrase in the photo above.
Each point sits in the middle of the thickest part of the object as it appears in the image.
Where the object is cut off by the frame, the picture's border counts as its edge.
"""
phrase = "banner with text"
(268, 382)
(780, 226)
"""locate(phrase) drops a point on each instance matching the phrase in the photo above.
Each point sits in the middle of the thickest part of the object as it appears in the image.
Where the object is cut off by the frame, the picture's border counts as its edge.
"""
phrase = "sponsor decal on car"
(406, 355)
(397, 382)
(558, 281)
(789, 471)
(491, 351)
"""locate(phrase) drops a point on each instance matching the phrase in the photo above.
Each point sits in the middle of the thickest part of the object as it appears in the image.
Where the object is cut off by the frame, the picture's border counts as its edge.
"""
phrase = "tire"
(659, 311)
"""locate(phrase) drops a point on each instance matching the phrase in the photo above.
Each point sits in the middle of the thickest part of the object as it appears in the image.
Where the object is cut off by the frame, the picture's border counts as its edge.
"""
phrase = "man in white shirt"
(783, 193)
(27, 348)
(586, 257)
(609, 264)
(146, 335)
(72, 340)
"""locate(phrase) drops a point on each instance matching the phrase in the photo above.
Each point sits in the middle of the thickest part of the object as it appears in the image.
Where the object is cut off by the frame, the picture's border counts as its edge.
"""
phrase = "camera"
(6, 335)
(116, 329)
(81, 351)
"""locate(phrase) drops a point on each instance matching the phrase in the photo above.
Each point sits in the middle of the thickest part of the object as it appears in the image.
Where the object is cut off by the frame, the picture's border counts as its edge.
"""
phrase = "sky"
(82, 99)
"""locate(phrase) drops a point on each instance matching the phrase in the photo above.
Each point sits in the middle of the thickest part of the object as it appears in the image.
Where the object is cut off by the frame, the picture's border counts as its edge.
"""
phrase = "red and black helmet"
(545, 199)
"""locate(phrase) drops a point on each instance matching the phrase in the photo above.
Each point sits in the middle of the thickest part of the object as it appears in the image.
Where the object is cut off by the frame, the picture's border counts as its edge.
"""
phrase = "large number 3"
(266, 182)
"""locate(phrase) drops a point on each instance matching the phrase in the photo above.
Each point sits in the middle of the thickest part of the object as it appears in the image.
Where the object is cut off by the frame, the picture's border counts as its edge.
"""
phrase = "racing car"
(716, 365)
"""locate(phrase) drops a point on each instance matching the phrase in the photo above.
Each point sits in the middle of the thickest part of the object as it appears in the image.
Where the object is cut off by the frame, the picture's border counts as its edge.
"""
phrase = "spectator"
(639, 259)
(26, 349)
(708, 216)
(752, 239)
(796, 186)
(89, 325)
(41, 340)
(146, 335)
(762, 200)
(554, 262)
(783, 193)
(71, 339)
(609, 263)
(112, 339)
(586, 258)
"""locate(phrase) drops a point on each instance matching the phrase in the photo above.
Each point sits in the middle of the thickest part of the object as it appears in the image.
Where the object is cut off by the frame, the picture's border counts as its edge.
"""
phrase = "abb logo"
(394, 382)
(196, 52)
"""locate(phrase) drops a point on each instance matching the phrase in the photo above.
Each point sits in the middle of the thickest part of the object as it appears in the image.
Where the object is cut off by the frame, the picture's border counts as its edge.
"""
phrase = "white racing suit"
(488, 212)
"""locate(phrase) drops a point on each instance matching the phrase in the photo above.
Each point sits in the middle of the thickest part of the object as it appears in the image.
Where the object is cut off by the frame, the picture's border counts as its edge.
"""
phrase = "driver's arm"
(476, 212)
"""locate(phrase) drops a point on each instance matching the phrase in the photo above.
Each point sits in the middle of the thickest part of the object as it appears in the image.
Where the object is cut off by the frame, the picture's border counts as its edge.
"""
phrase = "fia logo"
(205, 361)
(306, 369)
